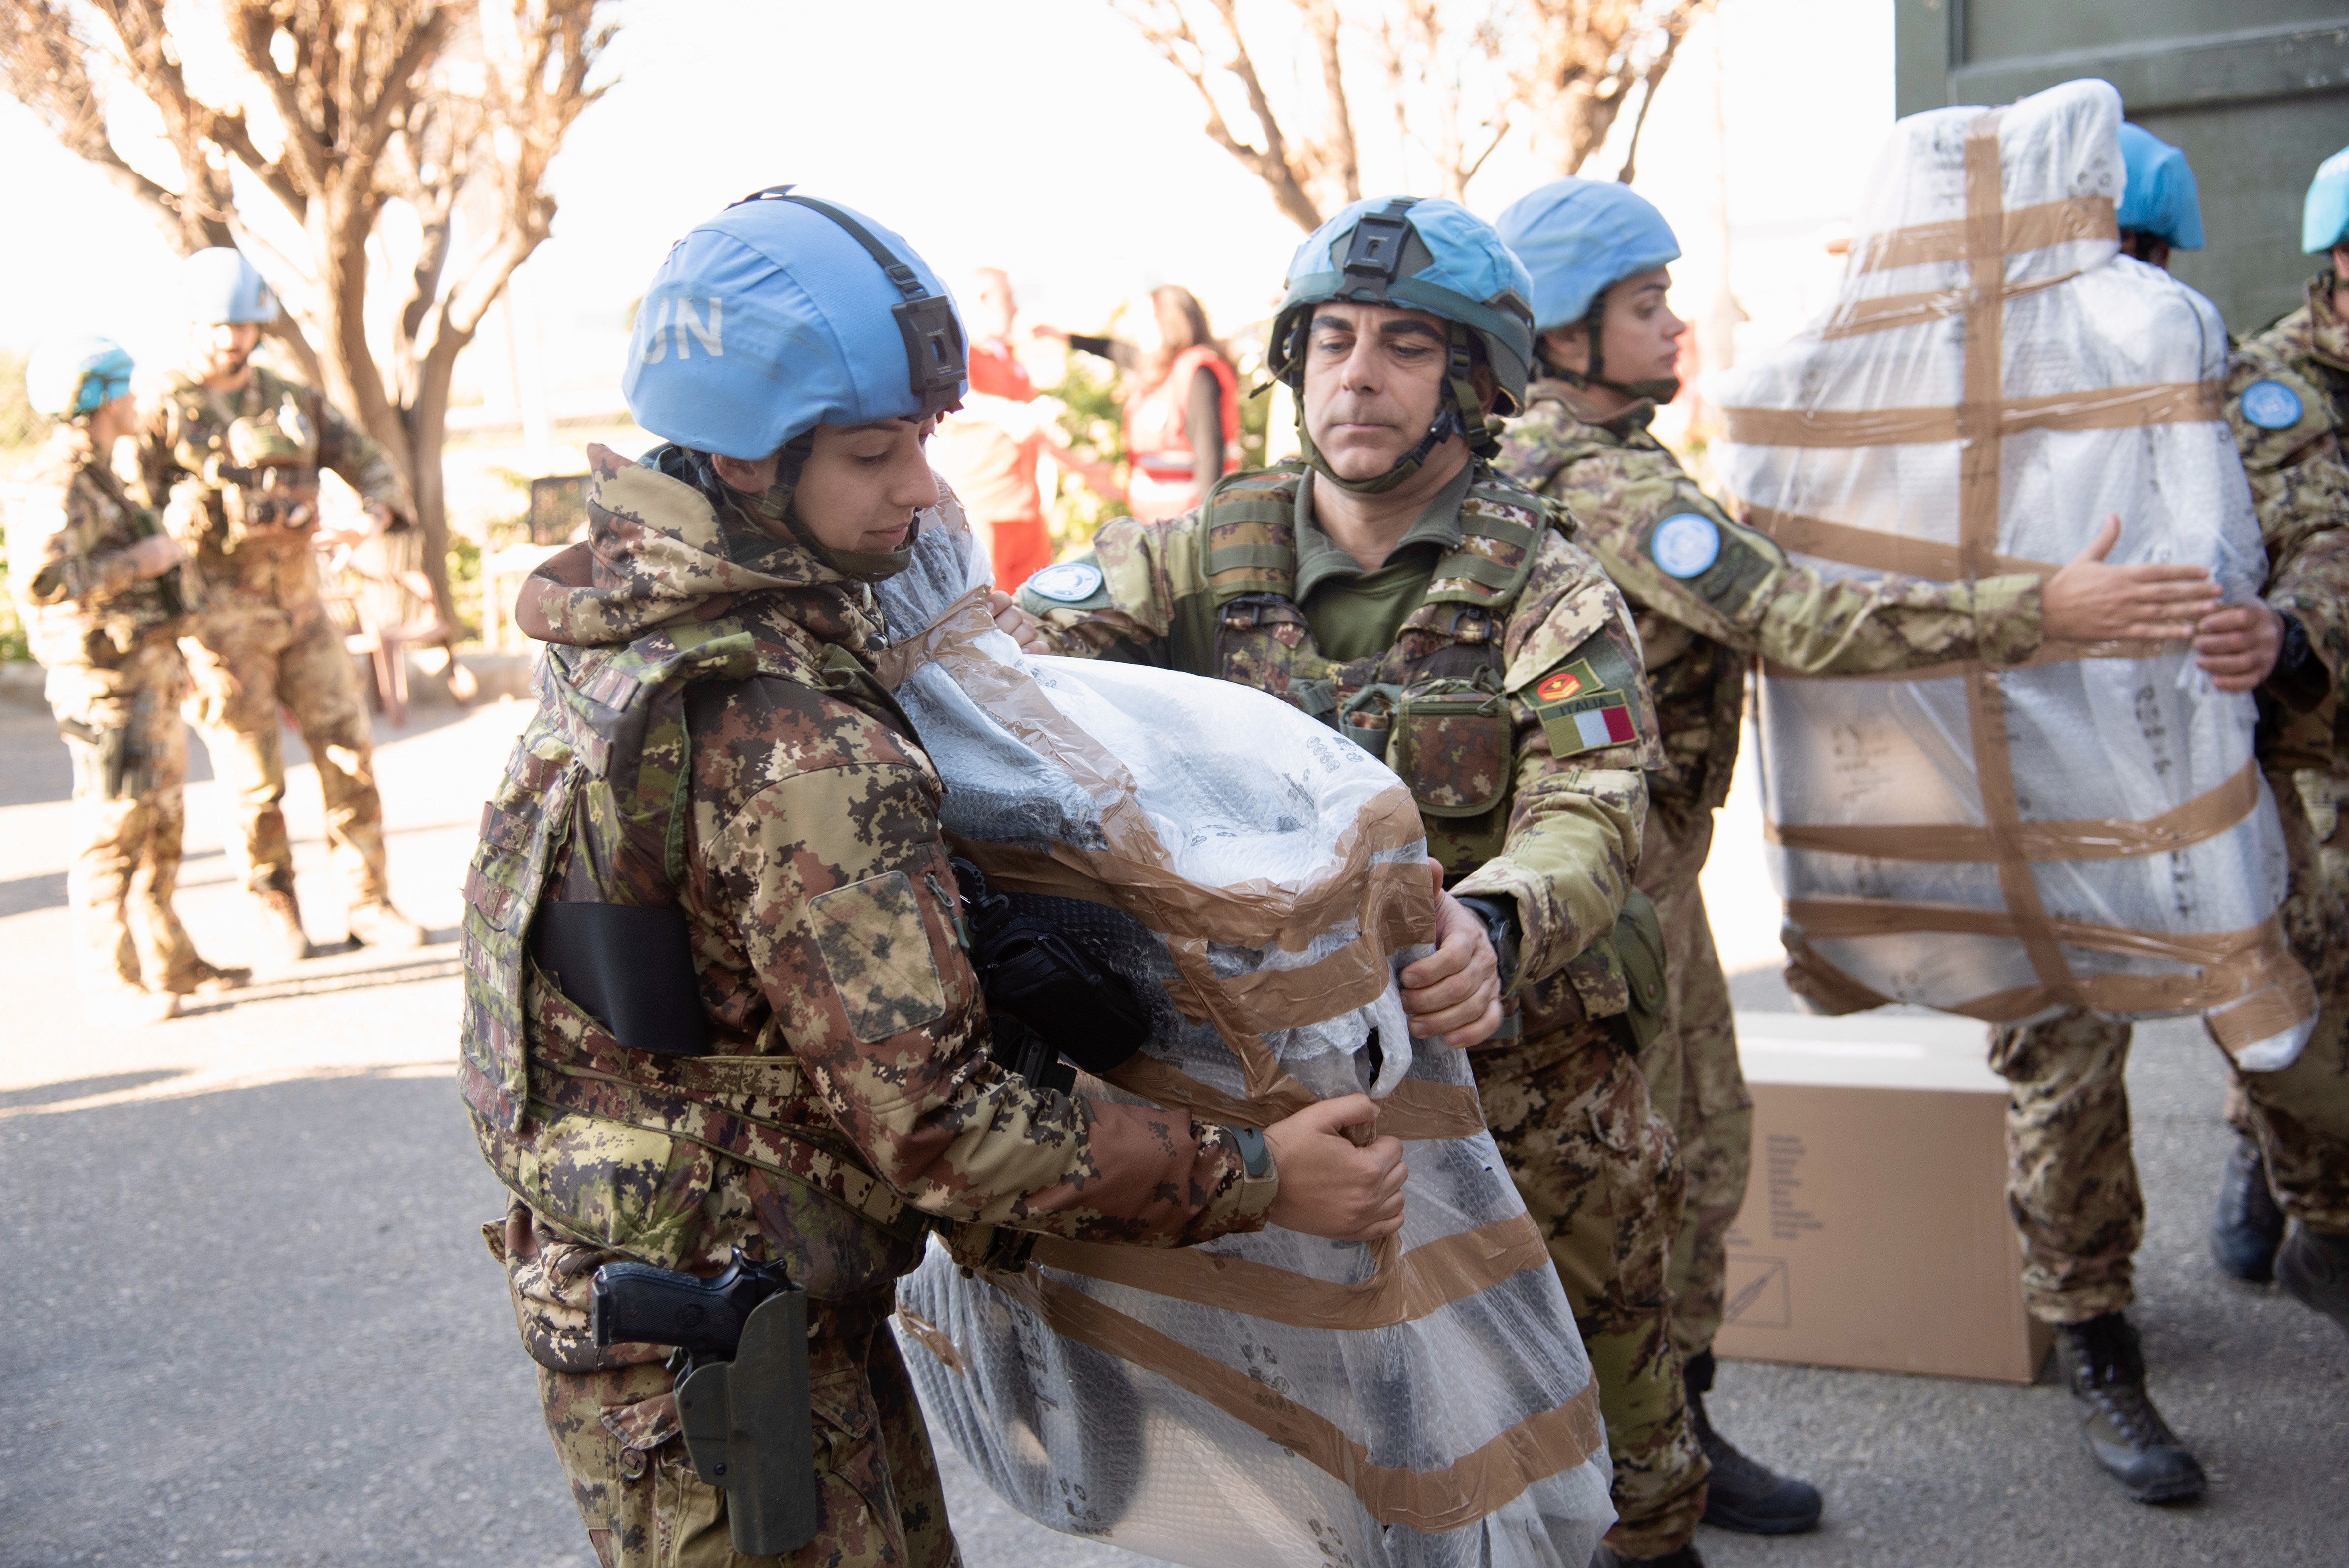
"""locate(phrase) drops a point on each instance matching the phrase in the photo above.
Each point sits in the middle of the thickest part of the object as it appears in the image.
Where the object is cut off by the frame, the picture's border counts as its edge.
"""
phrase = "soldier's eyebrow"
(1407, 327)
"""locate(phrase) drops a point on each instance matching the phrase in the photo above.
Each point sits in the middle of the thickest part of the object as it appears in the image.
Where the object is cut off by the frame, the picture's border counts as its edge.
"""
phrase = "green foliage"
(21, 429)
(14, 646)
(1092, 422)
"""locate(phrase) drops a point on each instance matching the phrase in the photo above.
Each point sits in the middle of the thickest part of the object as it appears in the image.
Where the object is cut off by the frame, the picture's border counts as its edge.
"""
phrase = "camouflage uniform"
(1700, 631)
(710, 739)
(115, 681)
(237, 475)
(2071, 1182)
(1505, 610)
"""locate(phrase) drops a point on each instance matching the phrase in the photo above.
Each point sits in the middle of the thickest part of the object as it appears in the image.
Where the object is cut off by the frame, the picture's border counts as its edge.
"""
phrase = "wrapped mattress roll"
(2089, 829)
(1268, 1399)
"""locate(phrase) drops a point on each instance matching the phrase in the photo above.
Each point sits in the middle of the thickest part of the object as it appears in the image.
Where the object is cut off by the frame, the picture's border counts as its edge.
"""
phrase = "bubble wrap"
(1203, 1405)
(2096, 394)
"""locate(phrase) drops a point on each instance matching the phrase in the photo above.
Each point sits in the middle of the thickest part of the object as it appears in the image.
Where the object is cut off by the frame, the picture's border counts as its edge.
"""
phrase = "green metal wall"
(2255, 91)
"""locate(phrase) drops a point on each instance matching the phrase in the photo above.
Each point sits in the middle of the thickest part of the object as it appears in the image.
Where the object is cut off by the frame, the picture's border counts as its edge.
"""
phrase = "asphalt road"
(247, 1316)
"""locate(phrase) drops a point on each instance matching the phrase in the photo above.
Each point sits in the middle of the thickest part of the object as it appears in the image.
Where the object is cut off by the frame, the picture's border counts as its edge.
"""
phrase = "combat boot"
(2248, 1228)
(1678, 1557)
(283, 940)
(2315, 1269)
(2126, 1434)
(1744, 1494)
(378, 925)
(203, 979)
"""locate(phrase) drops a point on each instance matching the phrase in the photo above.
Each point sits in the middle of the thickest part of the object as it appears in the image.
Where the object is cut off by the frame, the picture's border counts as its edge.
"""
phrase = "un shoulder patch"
(2271, 404)
(1068, 582)
(1685, 544)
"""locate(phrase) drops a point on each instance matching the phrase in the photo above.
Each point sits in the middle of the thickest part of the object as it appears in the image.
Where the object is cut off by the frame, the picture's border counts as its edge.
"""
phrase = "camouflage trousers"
(122, 725)
(1597, 1172)
(247, 655)
(2071, 1183)
(1693, 1072)
(613, 1415)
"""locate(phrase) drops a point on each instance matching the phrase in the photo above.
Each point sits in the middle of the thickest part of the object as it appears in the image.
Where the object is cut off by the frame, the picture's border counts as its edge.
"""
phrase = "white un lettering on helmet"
(1686, 543)
(677, 323)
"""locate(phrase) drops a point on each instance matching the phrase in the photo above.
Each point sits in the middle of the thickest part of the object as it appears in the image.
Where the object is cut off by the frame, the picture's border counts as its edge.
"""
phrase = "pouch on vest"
(1450, 740)
(1640, 945)
(630, 966)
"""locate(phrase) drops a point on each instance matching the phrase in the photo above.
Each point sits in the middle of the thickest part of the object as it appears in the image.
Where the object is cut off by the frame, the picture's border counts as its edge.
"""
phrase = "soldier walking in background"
(1710, 594)
(1394, 585)
(232, 454)
(100, 585)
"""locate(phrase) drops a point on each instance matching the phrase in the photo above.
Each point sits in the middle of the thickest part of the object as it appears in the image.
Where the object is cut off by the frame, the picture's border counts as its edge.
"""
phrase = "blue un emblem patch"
(2271, 404)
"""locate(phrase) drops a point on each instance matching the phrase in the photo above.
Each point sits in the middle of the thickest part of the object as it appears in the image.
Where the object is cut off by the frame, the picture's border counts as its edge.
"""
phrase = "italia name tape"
(1588, 723)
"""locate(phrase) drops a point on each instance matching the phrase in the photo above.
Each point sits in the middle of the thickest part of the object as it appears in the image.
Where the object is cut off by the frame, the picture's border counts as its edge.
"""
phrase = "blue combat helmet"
(1579, 238)
(1416, 255)
(74, 378)
(218, 286)
(780, 314)
(2324, 220)
(2160, 199)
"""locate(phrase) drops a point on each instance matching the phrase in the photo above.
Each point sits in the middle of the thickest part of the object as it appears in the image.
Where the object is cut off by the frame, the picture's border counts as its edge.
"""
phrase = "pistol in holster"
(741, 1362)
(125, 769)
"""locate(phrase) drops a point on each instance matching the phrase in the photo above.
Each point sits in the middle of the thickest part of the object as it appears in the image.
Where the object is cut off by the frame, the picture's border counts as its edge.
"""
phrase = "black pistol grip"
(636, 1304)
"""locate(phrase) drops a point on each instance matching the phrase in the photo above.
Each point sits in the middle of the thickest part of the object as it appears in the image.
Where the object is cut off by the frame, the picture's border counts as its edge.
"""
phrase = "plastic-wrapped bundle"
(2088, 828)
(1272, 1398)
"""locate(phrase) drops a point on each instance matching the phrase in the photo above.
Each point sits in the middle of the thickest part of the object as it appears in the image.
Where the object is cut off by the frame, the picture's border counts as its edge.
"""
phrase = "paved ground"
(248, 1317)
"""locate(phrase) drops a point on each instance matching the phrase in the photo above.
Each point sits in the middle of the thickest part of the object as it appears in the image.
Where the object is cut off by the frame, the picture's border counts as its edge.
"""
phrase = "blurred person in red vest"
(989, 449)
(1182, 411)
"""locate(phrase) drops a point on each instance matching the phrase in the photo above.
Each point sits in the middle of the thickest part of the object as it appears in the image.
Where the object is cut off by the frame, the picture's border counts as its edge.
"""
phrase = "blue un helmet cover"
(2324, 221)
(218, 286)
(781, 313)
(1579, 238)
(1415, 254)
(73, 377)
(2160, 199)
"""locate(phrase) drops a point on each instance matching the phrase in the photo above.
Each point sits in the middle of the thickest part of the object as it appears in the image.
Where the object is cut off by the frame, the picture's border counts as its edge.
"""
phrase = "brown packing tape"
(1472, 1487)
(1410, 1287)
(2023, 229)
(2206, 816)
(932, 1338)
(1416, 1111)
(1983, 413)
(1884, 312)
(1828, 920)
(1874, 551)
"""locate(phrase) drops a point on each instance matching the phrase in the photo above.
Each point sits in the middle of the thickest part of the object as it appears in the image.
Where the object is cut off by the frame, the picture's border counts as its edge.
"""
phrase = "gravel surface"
(249, 1317)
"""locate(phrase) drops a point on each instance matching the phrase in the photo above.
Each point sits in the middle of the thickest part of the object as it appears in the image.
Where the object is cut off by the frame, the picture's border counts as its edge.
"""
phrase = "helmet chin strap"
(1662, 388)
(773, 505)
(1452, 417)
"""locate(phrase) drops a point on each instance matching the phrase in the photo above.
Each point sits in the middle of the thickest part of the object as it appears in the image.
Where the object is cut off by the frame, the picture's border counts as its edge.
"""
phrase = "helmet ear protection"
(934, 344)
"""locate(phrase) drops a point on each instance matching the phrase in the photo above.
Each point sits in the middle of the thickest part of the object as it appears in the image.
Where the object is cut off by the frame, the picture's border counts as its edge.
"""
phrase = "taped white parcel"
(1420, 1401)
(2089, 829)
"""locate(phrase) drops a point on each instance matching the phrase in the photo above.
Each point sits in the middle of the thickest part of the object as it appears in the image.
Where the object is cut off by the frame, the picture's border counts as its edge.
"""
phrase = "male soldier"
(99, 586)
(1710, 594)
(232, 453)
(2289, 402)
(717, 784)
(1393, 585)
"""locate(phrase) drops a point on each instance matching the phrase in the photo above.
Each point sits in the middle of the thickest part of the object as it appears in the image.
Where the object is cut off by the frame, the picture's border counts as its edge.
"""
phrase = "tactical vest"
(256, 473)
(609, 1144)
(1430, 706)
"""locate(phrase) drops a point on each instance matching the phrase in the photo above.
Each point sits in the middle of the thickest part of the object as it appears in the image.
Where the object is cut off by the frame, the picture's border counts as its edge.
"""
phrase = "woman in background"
(1182, 412)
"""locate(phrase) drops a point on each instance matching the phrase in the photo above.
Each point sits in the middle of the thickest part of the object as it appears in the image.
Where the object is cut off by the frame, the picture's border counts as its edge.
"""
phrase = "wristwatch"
(1256, 1155)
(1500, 918)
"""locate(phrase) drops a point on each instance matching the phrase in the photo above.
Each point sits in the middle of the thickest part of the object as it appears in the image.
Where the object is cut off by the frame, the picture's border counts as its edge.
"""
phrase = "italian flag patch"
(1579, 714)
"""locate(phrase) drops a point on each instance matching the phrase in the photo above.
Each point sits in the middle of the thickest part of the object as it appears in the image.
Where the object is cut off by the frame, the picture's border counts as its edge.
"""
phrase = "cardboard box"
(1875, 1232)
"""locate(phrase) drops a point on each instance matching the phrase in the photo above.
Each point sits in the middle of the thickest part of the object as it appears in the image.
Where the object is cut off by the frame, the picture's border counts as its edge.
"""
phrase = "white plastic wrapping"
(1266, 1399)
(2089, 829)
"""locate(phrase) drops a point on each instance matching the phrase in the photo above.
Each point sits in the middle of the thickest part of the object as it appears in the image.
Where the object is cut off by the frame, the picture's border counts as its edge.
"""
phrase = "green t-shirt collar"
(1320, 558)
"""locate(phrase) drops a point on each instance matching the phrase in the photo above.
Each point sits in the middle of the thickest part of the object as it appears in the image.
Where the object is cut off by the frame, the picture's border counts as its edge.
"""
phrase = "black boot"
(2315, 1270)
(1743, 1494)
(2126, 1434)
(2248, 1228)
(1680, 1557)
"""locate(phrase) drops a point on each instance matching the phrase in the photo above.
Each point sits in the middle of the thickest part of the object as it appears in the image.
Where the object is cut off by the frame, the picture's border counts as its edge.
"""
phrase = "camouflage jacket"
(709, 737)
(1708, 592)
(1512, 703)
(2287, 397)
(69, 538)
(236, 473)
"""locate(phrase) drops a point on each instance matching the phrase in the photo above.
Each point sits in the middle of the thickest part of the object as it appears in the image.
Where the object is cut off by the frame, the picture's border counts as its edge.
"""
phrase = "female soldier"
(718, 791)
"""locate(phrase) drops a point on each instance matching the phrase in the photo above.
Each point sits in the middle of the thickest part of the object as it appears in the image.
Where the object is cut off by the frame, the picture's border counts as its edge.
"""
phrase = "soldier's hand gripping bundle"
(2088, 828)
(1268, 1399)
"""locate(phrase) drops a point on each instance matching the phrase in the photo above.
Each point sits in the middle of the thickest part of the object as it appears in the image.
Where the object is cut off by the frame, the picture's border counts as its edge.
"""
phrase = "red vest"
(1161, 484)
